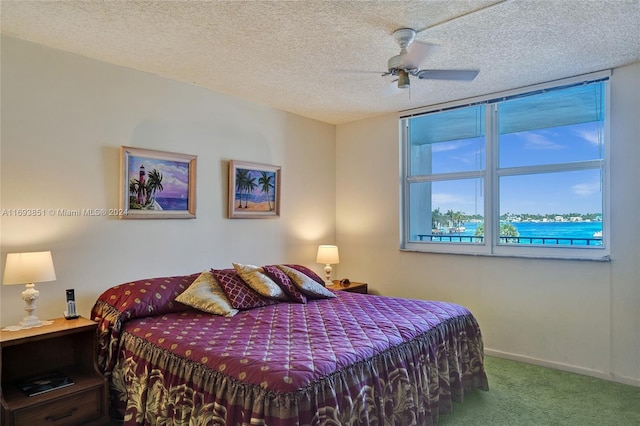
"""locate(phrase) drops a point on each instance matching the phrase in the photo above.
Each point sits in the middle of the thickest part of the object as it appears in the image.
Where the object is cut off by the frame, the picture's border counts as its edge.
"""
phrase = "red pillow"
(308, 272)
(240, 295)
(285, 283)
(151, 296)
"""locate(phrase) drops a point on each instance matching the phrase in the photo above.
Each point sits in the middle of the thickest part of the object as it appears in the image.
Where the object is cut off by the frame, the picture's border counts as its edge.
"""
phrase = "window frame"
(492, 173)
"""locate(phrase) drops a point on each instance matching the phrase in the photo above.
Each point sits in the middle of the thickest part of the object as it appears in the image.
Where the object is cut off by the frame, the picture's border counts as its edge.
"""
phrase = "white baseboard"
(564, 367)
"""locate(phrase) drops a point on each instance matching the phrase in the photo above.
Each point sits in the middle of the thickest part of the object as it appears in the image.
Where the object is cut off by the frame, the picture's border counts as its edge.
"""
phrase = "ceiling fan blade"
(417, 52)
(460, 75)
(392, 89)
(352, 72)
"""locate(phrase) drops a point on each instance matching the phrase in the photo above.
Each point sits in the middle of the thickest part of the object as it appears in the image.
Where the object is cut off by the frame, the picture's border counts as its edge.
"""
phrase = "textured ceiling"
(324, 59)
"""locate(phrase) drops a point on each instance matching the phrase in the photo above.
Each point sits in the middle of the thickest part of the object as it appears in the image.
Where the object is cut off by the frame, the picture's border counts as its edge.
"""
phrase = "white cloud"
(592, 135)
(448, 146)
(171, 169)
(445, 198)
(586, 188)
(538, 141)
(169, 180)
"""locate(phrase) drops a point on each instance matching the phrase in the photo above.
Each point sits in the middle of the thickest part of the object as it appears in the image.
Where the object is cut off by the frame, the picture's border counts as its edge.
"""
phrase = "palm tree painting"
(242, 176)
(253, 190)
(159, 184)
(266, 185)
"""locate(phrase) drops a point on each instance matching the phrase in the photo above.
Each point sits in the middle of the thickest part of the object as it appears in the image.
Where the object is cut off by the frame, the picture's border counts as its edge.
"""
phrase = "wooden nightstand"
(66, 346)
(354, 287)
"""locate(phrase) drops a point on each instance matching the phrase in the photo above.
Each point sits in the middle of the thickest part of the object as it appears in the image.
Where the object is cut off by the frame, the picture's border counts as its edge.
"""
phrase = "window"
(523, 174)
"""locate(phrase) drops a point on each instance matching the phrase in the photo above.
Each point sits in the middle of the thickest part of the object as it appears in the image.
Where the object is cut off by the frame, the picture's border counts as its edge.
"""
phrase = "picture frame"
(168, 189)
(254, 190)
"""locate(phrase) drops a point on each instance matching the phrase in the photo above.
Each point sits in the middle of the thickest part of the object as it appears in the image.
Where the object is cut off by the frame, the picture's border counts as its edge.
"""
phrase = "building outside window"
(523, 173)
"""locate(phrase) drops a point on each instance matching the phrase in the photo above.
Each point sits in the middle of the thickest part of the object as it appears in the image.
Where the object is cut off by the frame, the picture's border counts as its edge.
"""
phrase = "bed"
(337, 358)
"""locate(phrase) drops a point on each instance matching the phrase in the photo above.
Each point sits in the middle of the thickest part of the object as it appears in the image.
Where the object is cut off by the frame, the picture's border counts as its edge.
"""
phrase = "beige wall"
(577, 315)
(64, 118)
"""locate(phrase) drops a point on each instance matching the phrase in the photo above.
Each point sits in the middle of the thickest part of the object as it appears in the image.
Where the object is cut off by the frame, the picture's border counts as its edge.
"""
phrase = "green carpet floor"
(524, 394)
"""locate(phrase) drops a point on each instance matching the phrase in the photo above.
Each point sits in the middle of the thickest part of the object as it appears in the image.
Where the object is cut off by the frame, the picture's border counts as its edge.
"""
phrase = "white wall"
(64, 118)
(576, 315)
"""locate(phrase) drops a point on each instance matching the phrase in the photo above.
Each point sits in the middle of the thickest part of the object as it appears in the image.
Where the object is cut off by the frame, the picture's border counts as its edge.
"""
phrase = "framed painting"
(157, 184)
(254, 190)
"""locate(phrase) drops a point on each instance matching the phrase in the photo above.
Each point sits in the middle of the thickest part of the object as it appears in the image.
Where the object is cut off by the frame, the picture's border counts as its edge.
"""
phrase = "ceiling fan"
(412, 54)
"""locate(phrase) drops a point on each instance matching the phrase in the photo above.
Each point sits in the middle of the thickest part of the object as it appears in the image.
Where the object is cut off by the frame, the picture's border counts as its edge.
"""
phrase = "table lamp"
(327, 255)
(29, 268)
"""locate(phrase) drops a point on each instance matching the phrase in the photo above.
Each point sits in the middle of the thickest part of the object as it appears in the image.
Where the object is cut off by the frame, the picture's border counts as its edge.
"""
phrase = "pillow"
(306, 285)
(255, 278)
(147, 297)
(285, 283)
(239, 294)
(308, 272)
(205, 294)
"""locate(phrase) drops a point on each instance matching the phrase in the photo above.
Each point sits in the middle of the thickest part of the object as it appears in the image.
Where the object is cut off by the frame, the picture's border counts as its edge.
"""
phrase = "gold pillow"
(205, 294)
(306, 285)
(256, 279)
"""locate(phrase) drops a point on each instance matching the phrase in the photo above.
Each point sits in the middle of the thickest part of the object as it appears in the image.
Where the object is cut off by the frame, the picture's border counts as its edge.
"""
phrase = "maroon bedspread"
(354, 359)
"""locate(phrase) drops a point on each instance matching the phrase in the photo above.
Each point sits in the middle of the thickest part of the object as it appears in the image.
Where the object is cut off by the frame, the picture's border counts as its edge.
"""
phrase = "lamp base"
(30, 295)
(30, 322)
(327, 274)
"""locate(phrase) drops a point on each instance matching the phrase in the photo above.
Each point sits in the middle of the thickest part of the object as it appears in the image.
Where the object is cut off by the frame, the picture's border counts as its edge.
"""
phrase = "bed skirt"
(409, 384)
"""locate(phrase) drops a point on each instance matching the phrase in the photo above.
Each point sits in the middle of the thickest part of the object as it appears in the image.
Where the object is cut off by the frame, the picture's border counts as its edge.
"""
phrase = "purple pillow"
(308, 272)
(240, 295)
(147, 297)
(285, 283)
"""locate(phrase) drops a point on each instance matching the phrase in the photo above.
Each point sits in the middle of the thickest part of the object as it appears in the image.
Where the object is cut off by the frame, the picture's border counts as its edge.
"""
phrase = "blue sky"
(546, 193)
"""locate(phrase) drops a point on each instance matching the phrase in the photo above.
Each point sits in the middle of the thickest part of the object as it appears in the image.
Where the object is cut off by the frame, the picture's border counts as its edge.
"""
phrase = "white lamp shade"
(24, 268)
(328, 255)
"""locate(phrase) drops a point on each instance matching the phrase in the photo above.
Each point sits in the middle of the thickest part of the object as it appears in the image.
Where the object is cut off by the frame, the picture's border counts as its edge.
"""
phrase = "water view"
(548, 233)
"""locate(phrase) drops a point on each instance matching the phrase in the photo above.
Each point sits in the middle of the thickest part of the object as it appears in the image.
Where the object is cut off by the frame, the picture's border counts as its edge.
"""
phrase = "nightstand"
(354, 287)
(66, 346)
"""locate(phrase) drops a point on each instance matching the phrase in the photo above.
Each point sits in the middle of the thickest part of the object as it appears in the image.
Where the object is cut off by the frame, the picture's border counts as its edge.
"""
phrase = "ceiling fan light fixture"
(410, 62)
(403, 79)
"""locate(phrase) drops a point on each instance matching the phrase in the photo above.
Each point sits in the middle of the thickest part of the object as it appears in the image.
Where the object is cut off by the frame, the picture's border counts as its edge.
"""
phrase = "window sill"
(600, 258)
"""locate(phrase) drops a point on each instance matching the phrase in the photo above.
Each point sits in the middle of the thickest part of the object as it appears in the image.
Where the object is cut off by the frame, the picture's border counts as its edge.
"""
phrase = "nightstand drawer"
(73, 409)
(353, 287)
(357, 288)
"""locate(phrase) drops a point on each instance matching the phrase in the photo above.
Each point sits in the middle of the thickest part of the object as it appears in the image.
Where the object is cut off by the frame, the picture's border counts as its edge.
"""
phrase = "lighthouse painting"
(157, 184)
